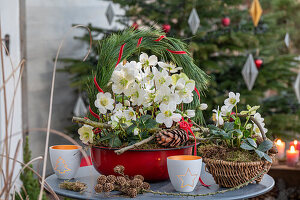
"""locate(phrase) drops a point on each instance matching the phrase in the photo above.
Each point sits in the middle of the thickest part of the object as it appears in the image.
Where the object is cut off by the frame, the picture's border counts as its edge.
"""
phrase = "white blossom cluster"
(147, 85)
(227, 110)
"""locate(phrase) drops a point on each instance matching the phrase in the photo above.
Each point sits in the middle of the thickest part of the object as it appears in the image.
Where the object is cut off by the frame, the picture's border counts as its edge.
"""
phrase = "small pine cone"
(119, 169)
(146, 186)
(111, 179)
(108, 187)
(98, 188)
(127, 178)
(120, 180)
(131, 192)
(171, 138)
(138, 177)
(135, 183)
(101, 179)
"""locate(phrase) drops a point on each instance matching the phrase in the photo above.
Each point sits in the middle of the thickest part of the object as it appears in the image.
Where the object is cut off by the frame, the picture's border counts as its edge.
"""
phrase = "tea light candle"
(281, 148)
(292, 156)
(296, 144)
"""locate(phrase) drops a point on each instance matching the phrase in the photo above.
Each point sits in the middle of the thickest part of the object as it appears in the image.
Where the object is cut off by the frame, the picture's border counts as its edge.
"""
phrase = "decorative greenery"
(109, 52)
(230, 130)
(30, 183)
(148, 94)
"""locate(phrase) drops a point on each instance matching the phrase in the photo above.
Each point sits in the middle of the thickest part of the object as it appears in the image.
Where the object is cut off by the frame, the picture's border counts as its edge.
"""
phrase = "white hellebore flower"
(170, 67)
(86, 134)
(219, 119)
(167, 116)
(232, 100)
(124, 77)
(161, 78)
(130, 114)
(165, 96)
(257, 131)
(226, 110)
(137, 95)
(184, 90)
(104, 102)
(148, 61)
(258, 118)
(203, 106)
(190, 113)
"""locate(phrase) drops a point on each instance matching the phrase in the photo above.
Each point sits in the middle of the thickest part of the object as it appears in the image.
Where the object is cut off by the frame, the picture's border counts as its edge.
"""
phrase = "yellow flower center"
(165, 99)
(123, 82)
(168, 113)
(131, 114)
(162, 80)
(104, 102)
(232, 100)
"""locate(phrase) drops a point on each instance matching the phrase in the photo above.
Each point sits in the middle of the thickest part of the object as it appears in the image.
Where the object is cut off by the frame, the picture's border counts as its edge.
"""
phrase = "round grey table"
(89, 176)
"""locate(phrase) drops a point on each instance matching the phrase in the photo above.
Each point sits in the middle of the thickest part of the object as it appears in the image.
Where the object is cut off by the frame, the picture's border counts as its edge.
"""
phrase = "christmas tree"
(220, 46)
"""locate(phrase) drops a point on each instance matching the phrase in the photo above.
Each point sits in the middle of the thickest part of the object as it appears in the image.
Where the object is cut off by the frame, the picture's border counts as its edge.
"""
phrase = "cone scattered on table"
(73, 186)
(124, 184)
(171, 137)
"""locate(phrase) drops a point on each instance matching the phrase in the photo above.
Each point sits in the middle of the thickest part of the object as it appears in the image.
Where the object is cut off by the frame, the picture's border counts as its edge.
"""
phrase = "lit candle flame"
(292, 149)
(295, 142)
(278, 142)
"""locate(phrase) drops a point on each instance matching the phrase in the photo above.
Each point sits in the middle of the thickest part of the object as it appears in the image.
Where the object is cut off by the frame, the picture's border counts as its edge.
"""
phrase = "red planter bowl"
(151, 163)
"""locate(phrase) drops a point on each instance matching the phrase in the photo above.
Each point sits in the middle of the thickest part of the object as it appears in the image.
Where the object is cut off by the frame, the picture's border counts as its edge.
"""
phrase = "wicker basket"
(231, 174)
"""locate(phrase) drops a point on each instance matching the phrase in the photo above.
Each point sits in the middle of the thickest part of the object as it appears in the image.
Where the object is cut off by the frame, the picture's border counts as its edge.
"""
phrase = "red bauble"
(258, 63)
(166, 28)
(135, 25)
(226, 21)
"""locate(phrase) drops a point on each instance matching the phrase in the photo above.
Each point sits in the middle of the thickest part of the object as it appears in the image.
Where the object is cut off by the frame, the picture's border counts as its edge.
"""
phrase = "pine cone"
(135, 183)
(146, 186)
(98, 188)
(171, 138)
(138, 177)
(101, 179)
(111, 179)
(108, 187)
(119, 169)
(131, 192)
(120, 180)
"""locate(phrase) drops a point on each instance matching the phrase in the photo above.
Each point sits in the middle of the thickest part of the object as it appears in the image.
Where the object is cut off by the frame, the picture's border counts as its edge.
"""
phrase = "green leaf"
(259, 153)
(107, 137)
(246, 146)
(251, 142)
(150, 123)
(144, 134)
(145, 117)
(267, 158)
(228, 126)
(115, 141)
(265, 146)
(131, 128)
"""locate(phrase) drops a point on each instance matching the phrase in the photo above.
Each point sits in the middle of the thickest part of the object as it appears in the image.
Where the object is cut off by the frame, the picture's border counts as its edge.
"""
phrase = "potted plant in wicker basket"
(142, 104)
(238, 149)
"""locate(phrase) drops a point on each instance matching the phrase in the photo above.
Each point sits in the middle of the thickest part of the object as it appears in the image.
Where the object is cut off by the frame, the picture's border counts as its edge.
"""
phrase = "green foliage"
(250, 145)
(109, 52)
(30, 183)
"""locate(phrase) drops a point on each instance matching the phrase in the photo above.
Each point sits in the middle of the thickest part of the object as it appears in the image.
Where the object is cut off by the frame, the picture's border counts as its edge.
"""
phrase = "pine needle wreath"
(109, 49)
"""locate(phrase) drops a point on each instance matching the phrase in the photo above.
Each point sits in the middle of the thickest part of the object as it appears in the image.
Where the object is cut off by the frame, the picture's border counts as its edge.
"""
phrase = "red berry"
(231, 119)
(135, 25)
(258, 63)
(166, 28)
(226, 21)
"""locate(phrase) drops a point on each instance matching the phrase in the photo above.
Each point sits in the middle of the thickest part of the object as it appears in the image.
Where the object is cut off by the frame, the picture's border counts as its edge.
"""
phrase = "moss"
(223, 153)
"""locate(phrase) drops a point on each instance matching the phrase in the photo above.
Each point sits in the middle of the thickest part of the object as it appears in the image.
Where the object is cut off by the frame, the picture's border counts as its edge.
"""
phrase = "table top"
(89, 176)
